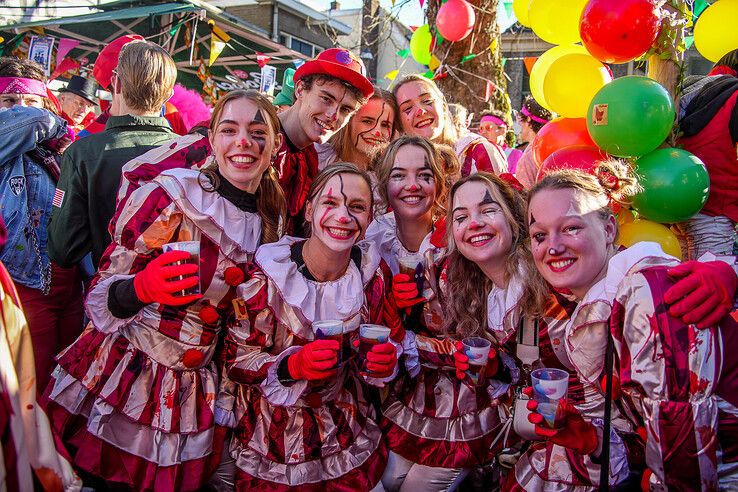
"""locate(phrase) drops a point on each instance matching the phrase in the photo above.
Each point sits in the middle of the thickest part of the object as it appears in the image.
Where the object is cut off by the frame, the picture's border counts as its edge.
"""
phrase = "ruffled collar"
(237, 233)
(383, 233)
(501, 303)
(243, 200)
(341, 299)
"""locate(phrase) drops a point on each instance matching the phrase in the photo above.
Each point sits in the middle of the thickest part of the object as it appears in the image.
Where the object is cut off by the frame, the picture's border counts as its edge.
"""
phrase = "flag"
(489, 90)
(262, 59)
(403, 53)
(218, 31)
(298, 62)
(529, 62)
(688, 41)
(216, 48)
(391, 75)
(65, 65)
(58, 198)
(65, 46)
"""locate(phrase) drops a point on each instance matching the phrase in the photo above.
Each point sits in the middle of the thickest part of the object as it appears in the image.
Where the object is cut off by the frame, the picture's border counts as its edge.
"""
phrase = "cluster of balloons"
(454, 22)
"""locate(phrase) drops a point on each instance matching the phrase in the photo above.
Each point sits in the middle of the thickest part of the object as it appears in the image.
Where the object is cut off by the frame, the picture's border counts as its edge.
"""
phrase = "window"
(302, 47)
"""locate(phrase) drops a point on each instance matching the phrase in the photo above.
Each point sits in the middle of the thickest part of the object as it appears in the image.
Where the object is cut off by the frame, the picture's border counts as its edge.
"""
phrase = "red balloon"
(455, 20)
(582, 157)
(617, 31)
(560, 133)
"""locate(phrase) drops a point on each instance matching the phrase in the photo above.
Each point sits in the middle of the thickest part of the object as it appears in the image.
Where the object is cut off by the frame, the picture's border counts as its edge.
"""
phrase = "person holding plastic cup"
(301, 418)
(133, 398)
(667, 371)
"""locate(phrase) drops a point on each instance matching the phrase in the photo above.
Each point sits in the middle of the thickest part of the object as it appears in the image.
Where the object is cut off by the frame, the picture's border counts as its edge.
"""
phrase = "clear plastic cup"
(413, 265)
(369, 336)
(477, 349)
(550, 387)
(332, 329)
(193, 248)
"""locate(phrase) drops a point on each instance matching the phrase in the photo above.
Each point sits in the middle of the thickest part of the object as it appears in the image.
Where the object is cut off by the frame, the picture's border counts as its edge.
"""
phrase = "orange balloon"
(560, 133)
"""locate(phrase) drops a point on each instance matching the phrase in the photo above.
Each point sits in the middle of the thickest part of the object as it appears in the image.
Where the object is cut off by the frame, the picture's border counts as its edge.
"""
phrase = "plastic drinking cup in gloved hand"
(550, 387)
(369, 336)
(413, 265)
(477, 349)
(332, 329)
(193, 248)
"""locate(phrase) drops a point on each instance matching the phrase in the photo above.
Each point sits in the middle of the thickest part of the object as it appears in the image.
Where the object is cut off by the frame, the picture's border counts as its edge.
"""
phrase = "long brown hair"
(468, 286)
(448, 133)
(385, 163)
(341, 140)
(271, 204)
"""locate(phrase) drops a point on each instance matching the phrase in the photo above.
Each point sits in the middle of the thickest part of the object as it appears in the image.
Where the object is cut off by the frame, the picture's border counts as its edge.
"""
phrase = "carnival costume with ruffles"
(670, 374)
(133, 399)
(300, 435)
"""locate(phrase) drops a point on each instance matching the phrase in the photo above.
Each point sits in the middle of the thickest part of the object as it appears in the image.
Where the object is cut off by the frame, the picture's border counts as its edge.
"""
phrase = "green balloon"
(675, 185)
(630, 116)
(420, 44)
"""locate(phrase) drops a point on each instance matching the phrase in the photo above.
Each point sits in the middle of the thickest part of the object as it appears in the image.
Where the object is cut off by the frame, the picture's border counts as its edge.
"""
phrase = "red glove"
(438, 238)
(405, 291)
(461, 362)
(576, 433)
(153, 284)
(392, 320)
(704, 293)
(315, 360)
(381, 360)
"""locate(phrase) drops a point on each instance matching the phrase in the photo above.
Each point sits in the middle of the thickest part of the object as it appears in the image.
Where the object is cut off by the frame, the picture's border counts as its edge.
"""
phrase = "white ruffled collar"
(341, 299)
(236, 232)
(501, 302)
(383, 233)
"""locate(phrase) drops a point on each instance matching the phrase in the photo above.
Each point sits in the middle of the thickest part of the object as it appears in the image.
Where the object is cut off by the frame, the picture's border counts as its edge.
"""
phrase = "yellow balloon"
(572, 81)
(644, 230)
(715, 33)
(520, 7)
(420, 43)
(556, 21)
(541, 66)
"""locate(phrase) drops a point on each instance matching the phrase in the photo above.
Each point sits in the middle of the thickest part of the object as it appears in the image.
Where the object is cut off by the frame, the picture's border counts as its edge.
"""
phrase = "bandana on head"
(533, 117)
(493, 119)
(20, 85)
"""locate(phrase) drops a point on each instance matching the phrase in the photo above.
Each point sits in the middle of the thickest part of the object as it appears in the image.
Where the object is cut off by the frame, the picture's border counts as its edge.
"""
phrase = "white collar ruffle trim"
(501, 302)
(383, 233)
(237, 233)
(341, 299)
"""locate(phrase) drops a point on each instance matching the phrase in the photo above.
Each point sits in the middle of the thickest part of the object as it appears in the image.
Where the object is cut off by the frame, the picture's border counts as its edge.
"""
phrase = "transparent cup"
(332, 329)
(369, 336)
(413, 265)
(193, 248)
(550, 387)
(477, 349)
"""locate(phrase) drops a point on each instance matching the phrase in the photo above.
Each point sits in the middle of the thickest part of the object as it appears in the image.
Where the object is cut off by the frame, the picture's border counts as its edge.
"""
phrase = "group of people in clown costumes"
(230, 387)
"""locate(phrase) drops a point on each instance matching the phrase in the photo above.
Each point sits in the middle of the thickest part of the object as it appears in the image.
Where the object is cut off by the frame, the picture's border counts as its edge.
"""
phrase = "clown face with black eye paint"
(339, 214)
(243, 144)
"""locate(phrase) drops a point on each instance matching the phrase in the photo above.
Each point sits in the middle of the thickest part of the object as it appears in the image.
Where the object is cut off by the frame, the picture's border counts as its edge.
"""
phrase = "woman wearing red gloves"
(301, 414)
(440, 424)
(676, 380)
(133, 398)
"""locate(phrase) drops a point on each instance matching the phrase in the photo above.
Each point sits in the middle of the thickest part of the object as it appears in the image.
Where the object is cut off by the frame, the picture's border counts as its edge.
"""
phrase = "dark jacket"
(90, 177)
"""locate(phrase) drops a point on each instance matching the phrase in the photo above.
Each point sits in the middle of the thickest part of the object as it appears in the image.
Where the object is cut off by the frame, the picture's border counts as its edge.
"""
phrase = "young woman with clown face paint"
(302, 419)
(674, 384)
(134, 397)
(424, 113)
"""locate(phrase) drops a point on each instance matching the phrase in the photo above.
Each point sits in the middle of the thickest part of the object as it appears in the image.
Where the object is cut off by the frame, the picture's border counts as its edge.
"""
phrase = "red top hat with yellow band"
(339, 63)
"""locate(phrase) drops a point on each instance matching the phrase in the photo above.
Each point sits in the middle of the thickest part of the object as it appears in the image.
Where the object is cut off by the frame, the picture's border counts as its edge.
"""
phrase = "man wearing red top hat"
(328, 90)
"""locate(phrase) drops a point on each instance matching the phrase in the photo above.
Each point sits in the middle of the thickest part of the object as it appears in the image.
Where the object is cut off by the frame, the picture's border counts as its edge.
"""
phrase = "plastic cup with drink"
(369, 336)
(477, 350)
(193, 248)
(550, 387)
(332, 329)
(413, 265)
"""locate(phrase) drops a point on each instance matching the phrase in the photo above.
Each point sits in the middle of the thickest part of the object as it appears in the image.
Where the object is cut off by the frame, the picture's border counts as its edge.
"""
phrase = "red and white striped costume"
(434, 418)
(134, 398)
(668, 373)
(303, 436)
